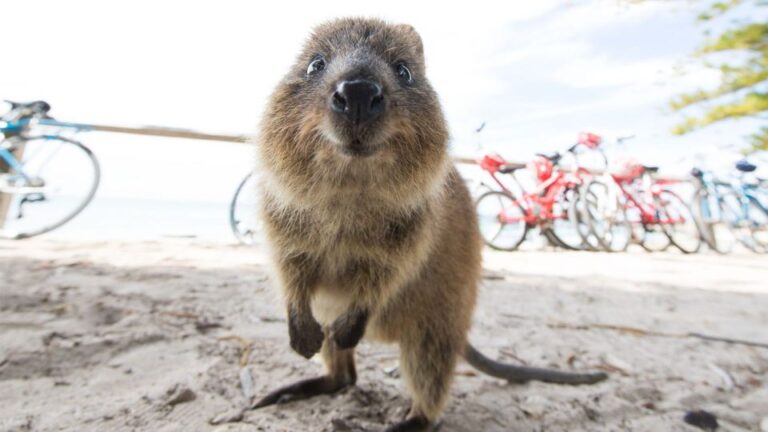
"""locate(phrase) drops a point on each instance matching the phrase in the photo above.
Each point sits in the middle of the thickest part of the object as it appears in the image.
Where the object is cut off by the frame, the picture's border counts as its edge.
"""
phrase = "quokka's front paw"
(305, 334)
(349, 328)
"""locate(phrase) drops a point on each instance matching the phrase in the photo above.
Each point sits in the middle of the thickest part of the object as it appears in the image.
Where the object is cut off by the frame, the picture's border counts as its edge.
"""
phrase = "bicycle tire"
(714, 231)
(576, 242)
(738, 224)
(674, 235)
(487, 216)
(580, 218)
(759, 216)
(654, 229)
(245, 238)
(615, 217)
(642, 231)
(82, 205)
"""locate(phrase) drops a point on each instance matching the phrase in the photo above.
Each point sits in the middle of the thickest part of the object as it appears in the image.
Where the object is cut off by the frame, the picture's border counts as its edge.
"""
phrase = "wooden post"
(5, 199)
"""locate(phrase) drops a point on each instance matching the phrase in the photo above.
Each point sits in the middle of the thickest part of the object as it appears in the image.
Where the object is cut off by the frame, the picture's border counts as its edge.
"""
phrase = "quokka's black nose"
(359, 101)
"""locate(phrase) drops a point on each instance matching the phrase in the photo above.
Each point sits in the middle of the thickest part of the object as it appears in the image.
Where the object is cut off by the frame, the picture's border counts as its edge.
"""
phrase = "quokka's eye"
(317, 65)
(404, 73)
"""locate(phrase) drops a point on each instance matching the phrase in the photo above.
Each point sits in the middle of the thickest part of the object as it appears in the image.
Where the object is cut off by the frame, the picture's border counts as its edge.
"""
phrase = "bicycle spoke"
(502, 220)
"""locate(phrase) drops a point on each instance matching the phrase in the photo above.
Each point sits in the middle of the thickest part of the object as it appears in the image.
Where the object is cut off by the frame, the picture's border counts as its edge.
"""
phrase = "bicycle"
(505, 220)
(46, 179)
(656, 215)
(732, 211)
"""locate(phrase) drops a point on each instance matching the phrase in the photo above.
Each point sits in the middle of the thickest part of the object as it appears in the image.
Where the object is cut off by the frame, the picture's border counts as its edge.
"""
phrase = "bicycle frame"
(541, 208)
(15, 128)
(18, 126)
(539, 203)
(649, 212)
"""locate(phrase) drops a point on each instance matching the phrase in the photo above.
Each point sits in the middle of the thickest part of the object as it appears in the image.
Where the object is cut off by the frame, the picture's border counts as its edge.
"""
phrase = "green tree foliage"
(743, 91)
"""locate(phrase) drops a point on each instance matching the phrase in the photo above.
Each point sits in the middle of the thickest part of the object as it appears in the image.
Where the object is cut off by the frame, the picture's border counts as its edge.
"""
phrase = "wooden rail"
(158, 131)
(172, 133)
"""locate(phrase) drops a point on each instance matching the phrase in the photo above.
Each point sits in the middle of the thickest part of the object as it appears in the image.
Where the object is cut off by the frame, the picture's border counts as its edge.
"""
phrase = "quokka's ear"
(413, 36)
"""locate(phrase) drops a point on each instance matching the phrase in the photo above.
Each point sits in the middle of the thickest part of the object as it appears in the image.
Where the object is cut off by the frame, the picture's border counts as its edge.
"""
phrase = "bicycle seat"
(510, 168)
(553, 157)
(38, 106)
(745, 166)
(650, 168)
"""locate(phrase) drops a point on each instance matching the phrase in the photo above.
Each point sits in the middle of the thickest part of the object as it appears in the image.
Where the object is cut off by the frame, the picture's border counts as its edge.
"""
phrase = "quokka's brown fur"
(383, 244)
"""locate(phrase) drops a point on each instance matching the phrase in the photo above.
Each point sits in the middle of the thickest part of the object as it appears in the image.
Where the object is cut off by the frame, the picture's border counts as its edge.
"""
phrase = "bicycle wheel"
(758, 215)
(562, 229)
(678, 223)
(607, 217)
(502, 220)
(716, 223)
(57, 180)
(736, 218)
(580, 218)
(243, 212)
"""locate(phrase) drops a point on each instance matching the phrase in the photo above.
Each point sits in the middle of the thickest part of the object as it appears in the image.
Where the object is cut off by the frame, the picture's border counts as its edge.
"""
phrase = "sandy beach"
(171, 335)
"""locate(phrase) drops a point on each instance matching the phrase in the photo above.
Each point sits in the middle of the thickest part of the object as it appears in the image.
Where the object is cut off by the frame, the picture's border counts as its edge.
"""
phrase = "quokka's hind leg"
(427, 363)
(340, 373)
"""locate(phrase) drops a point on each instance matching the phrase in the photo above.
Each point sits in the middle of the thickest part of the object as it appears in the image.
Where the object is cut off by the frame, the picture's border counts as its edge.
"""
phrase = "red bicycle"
(648, 208)
(505, 220)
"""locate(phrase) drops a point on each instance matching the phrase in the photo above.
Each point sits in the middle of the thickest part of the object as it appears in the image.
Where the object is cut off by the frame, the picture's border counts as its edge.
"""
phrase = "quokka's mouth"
(357, 148)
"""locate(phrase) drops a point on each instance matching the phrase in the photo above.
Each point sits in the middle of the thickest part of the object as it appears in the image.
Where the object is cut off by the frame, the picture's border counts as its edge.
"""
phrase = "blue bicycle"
(46, 179)
(732, 212)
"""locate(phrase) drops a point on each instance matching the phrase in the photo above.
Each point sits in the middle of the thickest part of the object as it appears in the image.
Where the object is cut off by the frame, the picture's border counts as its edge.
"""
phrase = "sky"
(536, 72)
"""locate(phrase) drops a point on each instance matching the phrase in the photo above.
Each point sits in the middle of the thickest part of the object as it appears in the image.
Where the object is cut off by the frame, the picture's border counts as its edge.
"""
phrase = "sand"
(168, 335)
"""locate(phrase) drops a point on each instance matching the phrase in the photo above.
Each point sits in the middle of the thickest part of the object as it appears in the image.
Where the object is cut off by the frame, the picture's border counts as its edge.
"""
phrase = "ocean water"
(146, 219)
